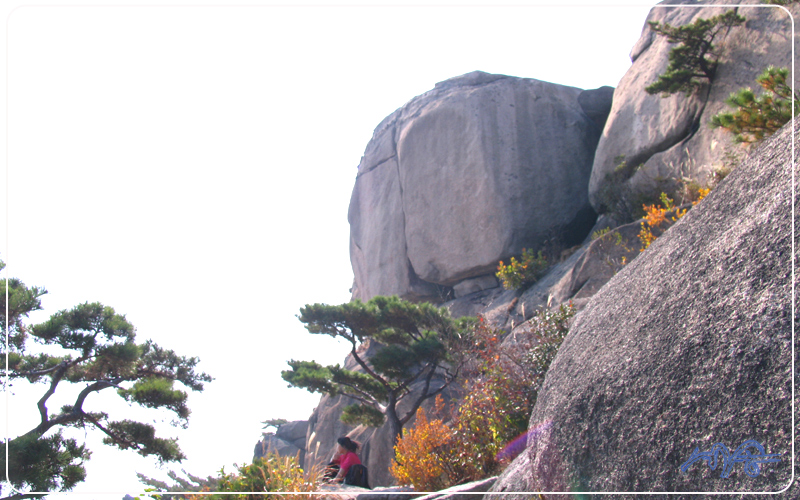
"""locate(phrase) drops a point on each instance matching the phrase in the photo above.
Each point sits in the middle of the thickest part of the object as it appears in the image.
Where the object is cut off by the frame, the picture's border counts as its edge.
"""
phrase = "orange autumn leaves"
(420, 456)
(656, 215)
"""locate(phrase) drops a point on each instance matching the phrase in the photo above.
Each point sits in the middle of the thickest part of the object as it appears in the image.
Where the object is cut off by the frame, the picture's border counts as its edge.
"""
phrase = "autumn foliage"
(503, 381)
(520, 273)
(273, 476)
(421, 455)
(657, 215)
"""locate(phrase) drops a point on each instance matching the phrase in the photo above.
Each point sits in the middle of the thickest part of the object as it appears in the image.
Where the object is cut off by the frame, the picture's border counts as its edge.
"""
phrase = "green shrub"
(600, 233)
(758, 117)
(549, 329)
(520, 273)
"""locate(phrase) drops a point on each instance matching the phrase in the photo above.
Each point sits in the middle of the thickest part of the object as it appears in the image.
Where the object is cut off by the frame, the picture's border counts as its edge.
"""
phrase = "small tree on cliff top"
(417, 342)
(694, 61)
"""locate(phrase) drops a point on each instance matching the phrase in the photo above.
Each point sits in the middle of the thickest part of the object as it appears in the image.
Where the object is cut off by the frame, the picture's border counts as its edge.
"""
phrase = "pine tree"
(417, 343)
(693, 62)
(758, 117)
(99, 353)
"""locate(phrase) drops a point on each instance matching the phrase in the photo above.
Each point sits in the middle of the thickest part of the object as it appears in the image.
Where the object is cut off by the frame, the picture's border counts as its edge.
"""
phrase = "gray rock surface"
(293, 432)
(464, 175)
(473, 285)
(347, 492)
(596, 103)
(687, 346)
(670, 137)
(463, 491)
(272, 443)
(287, 441)
(597, 263)
(390, 493)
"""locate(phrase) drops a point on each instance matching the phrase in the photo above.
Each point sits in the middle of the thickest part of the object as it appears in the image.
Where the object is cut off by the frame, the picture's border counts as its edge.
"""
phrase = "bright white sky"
(191, 166)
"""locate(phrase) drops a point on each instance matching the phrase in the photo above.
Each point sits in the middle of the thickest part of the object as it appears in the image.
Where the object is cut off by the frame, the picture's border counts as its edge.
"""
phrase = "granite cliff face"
(688, 346)
(664, 353)
(465, 175)
(670, 137)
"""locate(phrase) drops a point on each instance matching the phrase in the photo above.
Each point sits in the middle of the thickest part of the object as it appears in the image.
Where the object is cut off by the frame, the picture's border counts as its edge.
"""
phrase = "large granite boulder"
(270, 443)
(670, 137)
(687, 346)
(293, 432)
(289, 440)
(467, 174)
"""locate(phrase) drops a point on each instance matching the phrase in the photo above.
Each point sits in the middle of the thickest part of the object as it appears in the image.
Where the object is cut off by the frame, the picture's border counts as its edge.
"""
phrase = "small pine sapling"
(758, 117)
(693, 62)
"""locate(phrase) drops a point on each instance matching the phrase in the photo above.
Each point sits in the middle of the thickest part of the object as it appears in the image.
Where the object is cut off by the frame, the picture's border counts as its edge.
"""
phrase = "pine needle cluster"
(760, 116)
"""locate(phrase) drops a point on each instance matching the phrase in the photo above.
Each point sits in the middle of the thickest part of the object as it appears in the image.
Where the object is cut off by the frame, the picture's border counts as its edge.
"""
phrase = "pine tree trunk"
(395, 426)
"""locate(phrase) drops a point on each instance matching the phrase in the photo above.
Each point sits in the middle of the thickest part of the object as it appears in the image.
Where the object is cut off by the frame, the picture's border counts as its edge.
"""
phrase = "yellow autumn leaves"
(656, 215)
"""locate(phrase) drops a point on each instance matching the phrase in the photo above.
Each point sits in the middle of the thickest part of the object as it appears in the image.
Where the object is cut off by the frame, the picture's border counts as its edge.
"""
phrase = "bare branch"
(369, 370)
(404, 385)
(97, 386)
(34, 373)
(110, 434)
(370, 401)
(77, 412)
(422, 398)
(42, 404)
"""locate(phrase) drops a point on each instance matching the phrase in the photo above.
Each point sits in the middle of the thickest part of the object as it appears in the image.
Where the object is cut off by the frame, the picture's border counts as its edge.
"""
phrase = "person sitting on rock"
(345, 457)
(333, 467)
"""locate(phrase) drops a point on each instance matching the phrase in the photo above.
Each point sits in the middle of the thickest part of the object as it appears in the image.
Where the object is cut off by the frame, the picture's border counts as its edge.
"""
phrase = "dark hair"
(348, 443)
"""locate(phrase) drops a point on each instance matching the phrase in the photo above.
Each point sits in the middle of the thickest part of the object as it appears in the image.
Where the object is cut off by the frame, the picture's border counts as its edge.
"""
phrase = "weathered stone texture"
(467, 174)
(670, 137)
(687, 346)
(596, 103)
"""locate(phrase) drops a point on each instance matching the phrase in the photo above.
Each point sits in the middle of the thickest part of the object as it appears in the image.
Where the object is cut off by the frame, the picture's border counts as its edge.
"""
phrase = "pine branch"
(413, 410)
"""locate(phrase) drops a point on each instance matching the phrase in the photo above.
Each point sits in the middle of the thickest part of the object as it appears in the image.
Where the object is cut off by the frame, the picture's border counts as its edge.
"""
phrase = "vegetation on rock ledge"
(524, 272)
(484, 432)
(693, 62)
(758, 117)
